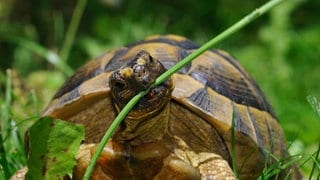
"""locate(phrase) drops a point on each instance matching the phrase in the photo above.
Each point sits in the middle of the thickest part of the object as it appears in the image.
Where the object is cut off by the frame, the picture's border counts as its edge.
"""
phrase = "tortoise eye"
(140, 71)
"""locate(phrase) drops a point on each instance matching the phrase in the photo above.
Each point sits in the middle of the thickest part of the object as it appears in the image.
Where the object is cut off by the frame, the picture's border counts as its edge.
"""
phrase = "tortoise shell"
(209, 94)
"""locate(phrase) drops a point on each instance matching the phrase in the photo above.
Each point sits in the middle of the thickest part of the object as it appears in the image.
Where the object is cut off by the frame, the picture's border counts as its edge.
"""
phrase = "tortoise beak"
(118, 81)
(136, 75)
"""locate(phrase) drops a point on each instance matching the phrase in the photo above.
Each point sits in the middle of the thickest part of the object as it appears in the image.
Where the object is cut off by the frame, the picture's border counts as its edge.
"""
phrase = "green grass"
(284, 47)
(11, 145)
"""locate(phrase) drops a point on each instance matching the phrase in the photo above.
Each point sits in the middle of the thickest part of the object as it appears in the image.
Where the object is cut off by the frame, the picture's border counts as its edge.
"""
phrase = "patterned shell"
(214, 87)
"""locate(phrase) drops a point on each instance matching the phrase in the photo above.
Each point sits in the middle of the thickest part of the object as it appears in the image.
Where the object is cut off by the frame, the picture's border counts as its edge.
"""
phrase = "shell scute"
(115, 61)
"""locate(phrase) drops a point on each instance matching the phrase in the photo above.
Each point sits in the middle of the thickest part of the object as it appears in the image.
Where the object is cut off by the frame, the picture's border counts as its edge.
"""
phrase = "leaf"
(53, 145)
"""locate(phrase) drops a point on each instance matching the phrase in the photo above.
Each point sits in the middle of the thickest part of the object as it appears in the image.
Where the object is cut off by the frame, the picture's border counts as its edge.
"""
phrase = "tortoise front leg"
(176, 168)
(212, 166)
(186, 164)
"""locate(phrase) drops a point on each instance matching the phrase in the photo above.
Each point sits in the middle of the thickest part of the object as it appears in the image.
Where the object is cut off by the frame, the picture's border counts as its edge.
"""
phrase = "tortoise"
(183, 128)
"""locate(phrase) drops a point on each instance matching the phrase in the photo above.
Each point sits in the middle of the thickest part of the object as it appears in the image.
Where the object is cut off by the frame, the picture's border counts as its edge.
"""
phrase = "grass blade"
(12, 150)
(72, 29)
(5, 125)
(315, 104)
(315, 163)
(50, 56)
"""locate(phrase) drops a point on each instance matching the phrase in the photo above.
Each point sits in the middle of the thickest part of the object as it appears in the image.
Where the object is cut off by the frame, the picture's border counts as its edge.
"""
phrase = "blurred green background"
(280, 50)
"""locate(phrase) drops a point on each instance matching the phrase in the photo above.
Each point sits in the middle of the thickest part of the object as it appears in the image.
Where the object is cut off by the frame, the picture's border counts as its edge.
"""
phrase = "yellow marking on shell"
(126, 72)
(141, 61)
(169, 36)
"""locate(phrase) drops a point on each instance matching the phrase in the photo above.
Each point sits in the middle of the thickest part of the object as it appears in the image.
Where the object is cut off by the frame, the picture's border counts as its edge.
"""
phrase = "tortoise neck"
(140, 131)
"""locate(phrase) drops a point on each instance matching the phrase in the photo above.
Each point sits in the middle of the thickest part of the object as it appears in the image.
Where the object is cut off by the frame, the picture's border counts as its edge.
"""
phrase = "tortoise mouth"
(135, 76)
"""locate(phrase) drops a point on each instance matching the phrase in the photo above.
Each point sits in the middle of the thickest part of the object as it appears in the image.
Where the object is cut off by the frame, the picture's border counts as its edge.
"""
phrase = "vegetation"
(280, 51)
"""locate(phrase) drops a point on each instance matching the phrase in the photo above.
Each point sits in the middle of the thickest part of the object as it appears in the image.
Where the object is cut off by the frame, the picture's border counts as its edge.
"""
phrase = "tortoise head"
(135, 76)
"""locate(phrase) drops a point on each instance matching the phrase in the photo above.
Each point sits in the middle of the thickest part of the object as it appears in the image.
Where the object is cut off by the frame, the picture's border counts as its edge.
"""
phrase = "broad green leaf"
(53, 145)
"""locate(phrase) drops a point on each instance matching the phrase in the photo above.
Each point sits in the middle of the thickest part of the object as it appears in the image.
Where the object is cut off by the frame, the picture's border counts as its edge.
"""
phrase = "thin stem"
(231, 30)
(315, 104)
(111, 130)
(50, 56)
(5, 125)
(316, 156)
(72, 29)
(236, 27)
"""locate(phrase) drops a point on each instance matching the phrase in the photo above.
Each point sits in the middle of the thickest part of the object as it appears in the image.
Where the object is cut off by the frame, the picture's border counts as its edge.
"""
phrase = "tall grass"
(12, 156)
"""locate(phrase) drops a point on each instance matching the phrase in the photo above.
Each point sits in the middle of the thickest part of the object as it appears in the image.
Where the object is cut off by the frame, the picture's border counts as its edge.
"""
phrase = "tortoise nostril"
(150, 59)
(119, 85)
